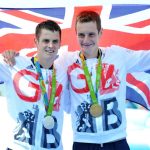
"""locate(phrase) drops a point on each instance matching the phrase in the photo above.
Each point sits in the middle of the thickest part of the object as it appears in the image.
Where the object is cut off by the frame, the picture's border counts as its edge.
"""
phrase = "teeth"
(50, 51)
(87, 45)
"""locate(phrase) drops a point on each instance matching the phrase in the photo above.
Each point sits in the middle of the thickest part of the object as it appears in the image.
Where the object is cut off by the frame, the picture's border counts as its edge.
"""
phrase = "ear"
(35, 41)
(59, 44)
(100, 32)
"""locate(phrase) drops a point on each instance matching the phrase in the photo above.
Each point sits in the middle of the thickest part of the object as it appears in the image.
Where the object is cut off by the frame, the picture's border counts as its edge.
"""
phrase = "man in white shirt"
(97, 87)
(35, 92)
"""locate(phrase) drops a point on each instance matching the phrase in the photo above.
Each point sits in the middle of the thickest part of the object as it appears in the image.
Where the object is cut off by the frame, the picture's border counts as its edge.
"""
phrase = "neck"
(46, 62)
(91, 55)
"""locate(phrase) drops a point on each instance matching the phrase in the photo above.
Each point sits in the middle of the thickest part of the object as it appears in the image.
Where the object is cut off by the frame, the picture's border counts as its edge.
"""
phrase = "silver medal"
(48, 122)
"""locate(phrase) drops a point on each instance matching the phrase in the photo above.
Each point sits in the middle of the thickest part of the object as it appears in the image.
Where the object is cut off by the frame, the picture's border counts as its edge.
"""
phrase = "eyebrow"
(48, 40)
(45, 40)
(86, 33)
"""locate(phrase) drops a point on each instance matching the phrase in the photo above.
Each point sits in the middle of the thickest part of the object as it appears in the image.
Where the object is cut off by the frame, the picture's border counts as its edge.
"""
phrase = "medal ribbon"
(88, 77)
(47, 103)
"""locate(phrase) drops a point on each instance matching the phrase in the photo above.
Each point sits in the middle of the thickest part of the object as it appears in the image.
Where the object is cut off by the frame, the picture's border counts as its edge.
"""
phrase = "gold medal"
(96, 110)
(48, 122)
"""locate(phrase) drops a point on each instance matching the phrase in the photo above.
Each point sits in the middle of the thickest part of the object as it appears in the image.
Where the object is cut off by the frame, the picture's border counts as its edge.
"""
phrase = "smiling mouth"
(86, 45)
(49, 51)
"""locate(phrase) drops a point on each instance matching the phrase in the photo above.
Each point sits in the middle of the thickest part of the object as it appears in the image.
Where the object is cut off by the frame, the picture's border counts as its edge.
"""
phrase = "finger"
(12, 54)
(10, 62)
(4, 54)
(17, 54)
(13, 62)
(7, 61)
(9, 54)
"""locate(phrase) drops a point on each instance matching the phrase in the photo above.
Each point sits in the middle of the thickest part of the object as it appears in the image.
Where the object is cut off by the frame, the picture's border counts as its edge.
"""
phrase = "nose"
(86, 39)
(50, 44)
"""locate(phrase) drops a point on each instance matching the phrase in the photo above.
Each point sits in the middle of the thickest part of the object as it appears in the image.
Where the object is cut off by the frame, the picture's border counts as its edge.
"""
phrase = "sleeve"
(63, 57)
(62, 65)
(136, 61)
(66, 102)
(4, 70)
(69, 57)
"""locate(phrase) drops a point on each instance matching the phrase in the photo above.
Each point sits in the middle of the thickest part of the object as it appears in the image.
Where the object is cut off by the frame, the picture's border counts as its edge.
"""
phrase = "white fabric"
(25, 110)
(111, 126)
(64, 3)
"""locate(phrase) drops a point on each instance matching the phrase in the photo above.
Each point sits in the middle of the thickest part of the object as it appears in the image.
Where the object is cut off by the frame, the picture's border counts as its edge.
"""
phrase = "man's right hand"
(9, 57)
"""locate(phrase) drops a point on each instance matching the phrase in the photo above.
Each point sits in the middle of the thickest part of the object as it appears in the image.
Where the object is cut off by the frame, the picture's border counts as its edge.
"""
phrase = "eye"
(46, 41)
(81, 35)
(55, 41)
(91, 34)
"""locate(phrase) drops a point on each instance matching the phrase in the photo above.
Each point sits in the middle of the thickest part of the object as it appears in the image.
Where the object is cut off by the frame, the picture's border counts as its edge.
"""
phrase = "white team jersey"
(25, 108)
(116, 63)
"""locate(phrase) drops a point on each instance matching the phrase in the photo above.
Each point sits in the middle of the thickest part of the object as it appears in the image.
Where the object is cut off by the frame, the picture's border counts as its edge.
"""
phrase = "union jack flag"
(124, 25)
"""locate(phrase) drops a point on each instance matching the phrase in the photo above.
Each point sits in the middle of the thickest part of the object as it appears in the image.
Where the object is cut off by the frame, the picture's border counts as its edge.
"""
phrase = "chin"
(87, 48)
(51, 55)
(48, 55)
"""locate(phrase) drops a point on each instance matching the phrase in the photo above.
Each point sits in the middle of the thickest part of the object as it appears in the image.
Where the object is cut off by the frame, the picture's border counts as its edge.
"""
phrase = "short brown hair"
(48, 25)
(88, 16)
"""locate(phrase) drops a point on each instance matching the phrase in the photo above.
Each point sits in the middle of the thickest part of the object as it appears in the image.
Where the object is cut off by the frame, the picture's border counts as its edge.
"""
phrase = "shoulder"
(73, 54)
(20, 59)
(66, 57)
(23, 61)
(116, 50)
(65, 54)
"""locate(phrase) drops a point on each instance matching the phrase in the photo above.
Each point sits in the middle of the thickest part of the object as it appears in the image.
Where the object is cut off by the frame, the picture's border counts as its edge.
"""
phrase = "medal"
(48, 122)
(96, 110)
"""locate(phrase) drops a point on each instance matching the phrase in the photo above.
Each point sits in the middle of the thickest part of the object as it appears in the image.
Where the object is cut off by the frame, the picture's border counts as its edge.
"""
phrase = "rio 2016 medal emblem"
(96, 110)
(48, 122)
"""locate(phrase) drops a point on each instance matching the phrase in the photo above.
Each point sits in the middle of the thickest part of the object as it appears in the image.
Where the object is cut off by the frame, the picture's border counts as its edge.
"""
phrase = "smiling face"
(88, 37)
(48, 43)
